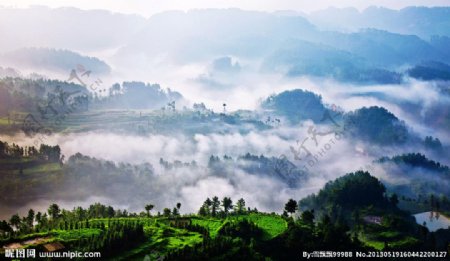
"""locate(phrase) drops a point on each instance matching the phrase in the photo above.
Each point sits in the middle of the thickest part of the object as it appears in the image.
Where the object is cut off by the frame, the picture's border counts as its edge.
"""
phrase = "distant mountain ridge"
(54, 60)
(422, 21)
(375, 46)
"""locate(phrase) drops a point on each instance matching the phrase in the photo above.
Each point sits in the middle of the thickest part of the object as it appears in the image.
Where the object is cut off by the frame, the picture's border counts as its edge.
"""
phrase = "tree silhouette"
(215, 206)
(166, 212)
(54, 211)
(39, 218)
(227, 204)
(308, 217)
(240, 206)
(291, 206)
(148, 208)
(30, 217)
(15, 221)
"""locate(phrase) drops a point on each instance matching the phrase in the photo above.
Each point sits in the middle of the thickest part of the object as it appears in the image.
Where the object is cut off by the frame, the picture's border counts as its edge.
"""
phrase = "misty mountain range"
(62, 61)
(379, 50)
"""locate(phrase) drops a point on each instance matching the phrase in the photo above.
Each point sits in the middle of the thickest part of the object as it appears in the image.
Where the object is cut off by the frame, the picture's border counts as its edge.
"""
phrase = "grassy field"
(43, 168)
(374, 244)
(392, 238)
(76, 122)
(162, 238)
(75, 234)
(133, 121)
(213, 225)
(271, 224)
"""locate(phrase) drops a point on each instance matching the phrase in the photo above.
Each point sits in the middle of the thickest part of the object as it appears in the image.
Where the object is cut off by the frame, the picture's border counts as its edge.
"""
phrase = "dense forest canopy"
(377, 125)
(296, 105)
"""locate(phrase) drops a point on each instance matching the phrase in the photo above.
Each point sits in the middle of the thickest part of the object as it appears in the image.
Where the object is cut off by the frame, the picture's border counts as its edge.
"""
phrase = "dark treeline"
(306, 234)
(45, 152)
(361, 201)
(290, 103)
(219, 248)
(138, 95)
(215, 207)
(26, 95)
(274, 167)
(425, 177)
(419, 160)
(111, 179)
(117, 237)
(377, 125)
(243, 240)
(41, 95)
(57, 218)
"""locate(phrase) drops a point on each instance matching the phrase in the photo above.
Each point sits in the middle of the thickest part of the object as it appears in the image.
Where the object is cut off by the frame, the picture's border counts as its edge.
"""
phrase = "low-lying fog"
(216, 76)
(189, 187)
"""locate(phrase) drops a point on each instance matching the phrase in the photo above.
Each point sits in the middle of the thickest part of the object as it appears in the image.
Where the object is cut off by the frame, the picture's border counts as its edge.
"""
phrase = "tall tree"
(202, 211)
(208, 204)
(39, 218)
(166, 212)
(148, 208)
(215, 206)
(30, 217)
(15, 221)
(227, 204)
(240, 206)
(110, 212)
(54, 211)
(291, 206)
(5, 228)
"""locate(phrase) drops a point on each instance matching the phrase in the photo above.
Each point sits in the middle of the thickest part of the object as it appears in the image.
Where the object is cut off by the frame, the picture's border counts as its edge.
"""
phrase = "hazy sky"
(148, 7)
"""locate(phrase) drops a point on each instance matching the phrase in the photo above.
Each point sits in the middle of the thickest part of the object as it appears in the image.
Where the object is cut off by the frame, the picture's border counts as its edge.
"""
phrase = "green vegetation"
(296, 105)
(86, 229)
(39, 107)
(376, 125)
(28, 172)
(417, 160)
(272, 225)
(43, 168)
(77, 234)
(348, 193)
(360, 201)
(212, 225)
(351, 213)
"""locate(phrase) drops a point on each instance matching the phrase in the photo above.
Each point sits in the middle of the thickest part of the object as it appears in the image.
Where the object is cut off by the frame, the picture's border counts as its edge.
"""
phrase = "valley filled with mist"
(125, 110)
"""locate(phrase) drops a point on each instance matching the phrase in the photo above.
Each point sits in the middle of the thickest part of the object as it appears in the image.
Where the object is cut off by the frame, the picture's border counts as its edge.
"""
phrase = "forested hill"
(417, 160)
(227, 229)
